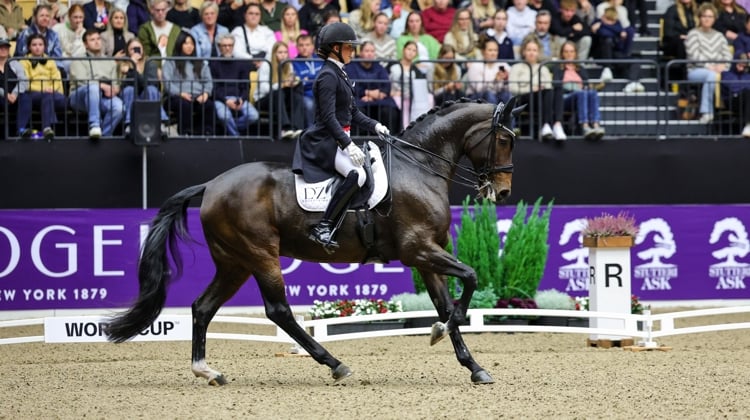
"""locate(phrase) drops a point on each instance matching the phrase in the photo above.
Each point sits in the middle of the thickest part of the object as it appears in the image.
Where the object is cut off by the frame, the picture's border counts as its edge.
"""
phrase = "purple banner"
(59, 259)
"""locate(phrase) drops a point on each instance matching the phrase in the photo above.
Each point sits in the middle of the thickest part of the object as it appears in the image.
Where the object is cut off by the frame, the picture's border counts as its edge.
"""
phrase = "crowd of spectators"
(418, 52)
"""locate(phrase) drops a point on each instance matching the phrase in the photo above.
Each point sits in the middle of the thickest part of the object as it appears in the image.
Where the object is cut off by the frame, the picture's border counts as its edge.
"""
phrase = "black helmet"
(335, 33)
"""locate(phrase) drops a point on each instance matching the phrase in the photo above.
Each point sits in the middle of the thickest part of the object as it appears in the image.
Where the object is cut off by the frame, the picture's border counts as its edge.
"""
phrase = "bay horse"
(250, 218)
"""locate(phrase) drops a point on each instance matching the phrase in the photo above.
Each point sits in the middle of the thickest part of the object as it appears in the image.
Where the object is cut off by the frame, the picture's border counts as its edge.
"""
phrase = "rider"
(326, 148)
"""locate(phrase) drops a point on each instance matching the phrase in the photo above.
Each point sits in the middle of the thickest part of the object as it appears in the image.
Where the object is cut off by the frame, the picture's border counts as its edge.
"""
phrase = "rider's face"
(347, 52)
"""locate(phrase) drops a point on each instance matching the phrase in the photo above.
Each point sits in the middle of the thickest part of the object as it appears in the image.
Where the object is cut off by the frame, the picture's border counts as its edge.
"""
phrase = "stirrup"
(318, 235)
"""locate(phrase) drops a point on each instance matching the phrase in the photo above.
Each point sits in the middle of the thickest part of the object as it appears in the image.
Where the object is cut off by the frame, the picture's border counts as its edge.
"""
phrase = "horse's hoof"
(481, 377)
(439, 331)
(218, 381)
(341, 372)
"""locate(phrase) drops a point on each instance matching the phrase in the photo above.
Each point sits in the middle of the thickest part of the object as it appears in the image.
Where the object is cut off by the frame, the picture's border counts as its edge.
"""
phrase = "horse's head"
(492, 153)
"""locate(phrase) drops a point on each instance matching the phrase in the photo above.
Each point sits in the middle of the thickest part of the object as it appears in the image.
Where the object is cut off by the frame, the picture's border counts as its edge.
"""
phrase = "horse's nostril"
(504, 193)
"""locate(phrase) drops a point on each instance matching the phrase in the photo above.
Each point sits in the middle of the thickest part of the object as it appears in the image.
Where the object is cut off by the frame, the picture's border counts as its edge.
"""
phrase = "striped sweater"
(706, 45)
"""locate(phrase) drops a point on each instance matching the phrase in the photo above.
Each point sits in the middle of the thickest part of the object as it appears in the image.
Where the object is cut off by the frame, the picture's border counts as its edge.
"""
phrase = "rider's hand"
(355, 154)
(381, 129)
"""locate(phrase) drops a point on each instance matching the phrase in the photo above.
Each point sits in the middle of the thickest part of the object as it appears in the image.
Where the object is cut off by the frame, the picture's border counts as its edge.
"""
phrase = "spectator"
(58, 11)
(284, 92)
(253, 40)
(208, 31)
(679, 19)
(372, 87)
(117, 35)
(45, 89)
(742, 43)
(289, 30)
(462, 37)
(731, 18)
(71, 32)
(401, 9)
(427, 46)
(96, 14)
(138, 14)
(710, 51)
(94, 86)
(362, 20)
(189, 85)
(438, 18)
(385, 45)
(311, 15)
(140, 79)
(233, 109)
(735, 90)
(498, 33)
(622, 12)
(11, 18)
(642, 15)
(331, 16)
(529, 79)
(614, 41)
(409, 88)
(158, 36)
(183, 14)
(421, 5)
(578, 95)
(521, 19)
(487, 79)
(538, 5)
(232, 12)
(446, 77)
(483, 14)
(272, 13)
(570, 27)
(586, 11)
(306, 67)
(12, 78)
(40, 25)
(550, 44)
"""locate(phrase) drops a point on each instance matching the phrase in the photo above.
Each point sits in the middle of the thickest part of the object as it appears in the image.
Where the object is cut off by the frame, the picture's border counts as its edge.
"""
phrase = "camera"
(138, 50)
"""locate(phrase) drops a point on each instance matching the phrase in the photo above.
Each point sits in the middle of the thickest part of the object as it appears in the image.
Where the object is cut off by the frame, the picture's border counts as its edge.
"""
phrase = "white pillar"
(609, 283)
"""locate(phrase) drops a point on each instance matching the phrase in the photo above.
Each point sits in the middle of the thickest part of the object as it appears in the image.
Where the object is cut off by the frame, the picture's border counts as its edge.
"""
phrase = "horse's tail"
(154, 274)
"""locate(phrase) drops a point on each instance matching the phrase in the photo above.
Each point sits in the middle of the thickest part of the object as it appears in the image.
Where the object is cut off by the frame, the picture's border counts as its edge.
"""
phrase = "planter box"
(356, 327)
(578, 322)
(608, 241)
(550, 320)
(493, 320)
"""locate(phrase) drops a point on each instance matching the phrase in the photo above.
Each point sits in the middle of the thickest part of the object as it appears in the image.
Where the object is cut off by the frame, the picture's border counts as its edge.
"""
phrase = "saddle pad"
(315, 196)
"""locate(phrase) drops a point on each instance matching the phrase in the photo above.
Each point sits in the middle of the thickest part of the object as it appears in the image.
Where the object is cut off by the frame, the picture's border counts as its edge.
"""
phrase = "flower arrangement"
(608, 225)
(353, 307)
(582, 303)
(515, 302)
(635, 305)
(553, 299)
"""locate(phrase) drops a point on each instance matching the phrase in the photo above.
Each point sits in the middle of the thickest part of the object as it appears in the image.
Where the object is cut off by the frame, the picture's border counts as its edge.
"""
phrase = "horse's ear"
(506, 113)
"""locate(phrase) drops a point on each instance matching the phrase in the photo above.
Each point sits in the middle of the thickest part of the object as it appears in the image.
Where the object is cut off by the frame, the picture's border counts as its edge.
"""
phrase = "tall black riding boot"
(323, 233)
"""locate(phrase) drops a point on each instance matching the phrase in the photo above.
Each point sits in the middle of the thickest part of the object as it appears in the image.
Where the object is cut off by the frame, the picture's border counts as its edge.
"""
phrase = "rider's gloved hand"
(355, 154)
(381, 129)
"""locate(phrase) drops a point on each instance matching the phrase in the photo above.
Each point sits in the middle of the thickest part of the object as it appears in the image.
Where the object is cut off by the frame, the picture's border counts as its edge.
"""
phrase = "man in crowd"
(230, 96)
(306, 66)
(158, 35)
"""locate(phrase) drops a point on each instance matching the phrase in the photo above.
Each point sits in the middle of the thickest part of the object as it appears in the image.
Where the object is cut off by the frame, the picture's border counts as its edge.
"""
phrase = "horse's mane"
(436, 109)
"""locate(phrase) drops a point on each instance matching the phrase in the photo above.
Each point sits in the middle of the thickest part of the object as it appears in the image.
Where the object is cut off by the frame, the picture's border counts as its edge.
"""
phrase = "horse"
(250, 218)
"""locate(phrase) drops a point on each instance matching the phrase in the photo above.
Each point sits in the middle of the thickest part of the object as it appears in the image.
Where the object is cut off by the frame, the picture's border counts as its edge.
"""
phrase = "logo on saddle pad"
(315, 196)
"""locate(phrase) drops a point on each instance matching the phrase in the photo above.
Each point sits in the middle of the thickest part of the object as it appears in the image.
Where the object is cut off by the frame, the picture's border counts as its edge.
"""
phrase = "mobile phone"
(138, 50)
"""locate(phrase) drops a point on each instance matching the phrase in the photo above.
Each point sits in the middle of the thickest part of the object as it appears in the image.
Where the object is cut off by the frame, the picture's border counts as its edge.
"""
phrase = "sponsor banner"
(90, 329)
(79, 259)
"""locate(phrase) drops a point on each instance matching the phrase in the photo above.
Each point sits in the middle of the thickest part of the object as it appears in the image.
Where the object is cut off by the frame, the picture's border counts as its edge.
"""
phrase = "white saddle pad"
(315, 196)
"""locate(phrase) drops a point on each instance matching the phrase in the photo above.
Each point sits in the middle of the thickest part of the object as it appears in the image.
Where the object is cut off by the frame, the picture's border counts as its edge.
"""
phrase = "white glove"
(355, 154)
(381, 129)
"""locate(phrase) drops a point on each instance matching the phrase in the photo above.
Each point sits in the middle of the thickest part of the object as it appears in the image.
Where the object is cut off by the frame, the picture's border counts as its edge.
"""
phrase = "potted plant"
(355, 307)
(581, 304)
(553, 299)
(610, 231)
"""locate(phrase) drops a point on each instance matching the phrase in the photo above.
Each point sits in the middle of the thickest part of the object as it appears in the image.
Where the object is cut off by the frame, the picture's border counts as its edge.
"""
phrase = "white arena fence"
(89, 328)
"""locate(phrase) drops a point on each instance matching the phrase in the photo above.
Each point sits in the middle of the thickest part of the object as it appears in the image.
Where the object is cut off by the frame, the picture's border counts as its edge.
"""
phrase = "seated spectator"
(40, 25)
(462, 37)
(438, 18)
(58, 9)
(253, 40)
(372, 88)
(385, 45)
(529, 78)
(679, 19)
(578, 95)
(487, 79)
(427, 46)
(94, 86)
(279, 86)
(117, 35)
(622, 11)
(735, 90)
(271, 13)
(233, 108)
(570, 27)
(138, 14)
(409, 85)
(483, 14)
(586, 11)
(208, 31)
(709, 48)
(71, 33)
(12, 79)
(331, 16)
(189, 86)
(96, 14)
(140, 80)
(498, 33)
(306, 67)
(731, 19)
(158, 35)
(183, 14)
(232, 12)
(289, 30)
(520, 21)
(311, 15)
(550, 44)
(45, 90)
(742, 43)
(613, 41)
(399, 12)
(362, 20)
(446, 77)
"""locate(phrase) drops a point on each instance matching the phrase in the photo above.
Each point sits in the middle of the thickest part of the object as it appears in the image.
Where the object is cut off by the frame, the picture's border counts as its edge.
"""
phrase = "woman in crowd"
(427, 46)
(45, 90)
(363, 19)
(710, 51)
(208, 31)
(498, 33)
(384, 44)
(446, 77)
(290, 30)
(189, 85)
(571, 81)
(482, 14)
(284, 92)
(140, 79)
(528, 79)
(97, 14)
(71, 32)
(117, 35)
(461, 36)
(409, 89)
(487, 79)
(730, 20)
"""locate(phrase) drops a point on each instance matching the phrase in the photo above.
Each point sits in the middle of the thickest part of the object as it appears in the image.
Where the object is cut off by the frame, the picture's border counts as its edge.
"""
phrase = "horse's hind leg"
(271, 286)
(223, 286)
